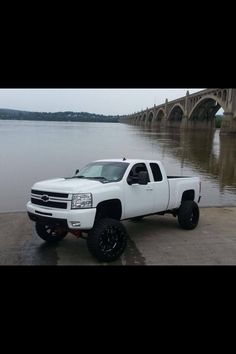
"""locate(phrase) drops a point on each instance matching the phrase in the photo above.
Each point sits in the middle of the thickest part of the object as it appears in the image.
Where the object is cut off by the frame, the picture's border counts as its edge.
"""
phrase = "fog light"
(75, 223)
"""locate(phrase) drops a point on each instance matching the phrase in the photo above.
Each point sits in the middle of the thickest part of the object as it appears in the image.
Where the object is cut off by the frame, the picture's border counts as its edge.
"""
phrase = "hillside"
(12, 114)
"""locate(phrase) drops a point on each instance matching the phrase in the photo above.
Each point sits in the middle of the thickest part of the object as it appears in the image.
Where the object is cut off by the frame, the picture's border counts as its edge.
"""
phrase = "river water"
(34, 151)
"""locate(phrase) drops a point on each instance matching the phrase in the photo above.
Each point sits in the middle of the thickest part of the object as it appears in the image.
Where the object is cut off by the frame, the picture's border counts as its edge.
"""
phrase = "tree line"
(68, 116)
(218, 120)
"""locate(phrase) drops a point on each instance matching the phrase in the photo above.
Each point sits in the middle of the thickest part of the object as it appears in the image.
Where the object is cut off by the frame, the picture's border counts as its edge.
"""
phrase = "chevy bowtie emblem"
(45, 198)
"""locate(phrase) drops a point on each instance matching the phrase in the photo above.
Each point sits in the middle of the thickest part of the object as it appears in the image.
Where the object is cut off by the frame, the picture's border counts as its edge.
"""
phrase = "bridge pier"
(229, 120)
(228, 123)
(184, 122)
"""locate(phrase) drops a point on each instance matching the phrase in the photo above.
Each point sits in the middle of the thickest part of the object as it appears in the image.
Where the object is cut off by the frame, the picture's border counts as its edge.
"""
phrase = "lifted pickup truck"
(92, 203)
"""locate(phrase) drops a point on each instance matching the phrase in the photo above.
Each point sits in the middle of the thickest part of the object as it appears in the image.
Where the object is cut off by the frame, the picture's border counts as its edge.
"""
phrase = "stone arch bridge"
(197, 110)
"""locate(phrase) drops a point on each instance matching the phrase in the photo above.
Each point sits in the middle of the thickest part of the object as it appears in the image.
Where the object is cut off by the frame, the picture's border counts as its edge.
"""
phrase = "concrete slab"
(155, 240)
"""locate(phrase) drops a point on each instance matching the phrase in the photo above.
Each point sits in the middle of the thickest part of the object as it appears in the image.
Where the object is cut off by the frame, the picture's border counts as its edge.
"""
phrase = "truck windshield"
(104, 171)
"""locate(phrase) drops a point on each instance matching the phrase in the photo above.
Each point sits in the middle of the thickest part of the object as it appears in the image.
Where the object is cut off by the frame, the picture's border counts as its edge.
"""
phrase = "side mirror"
(143, 178)
(77, 171)
(130, 180)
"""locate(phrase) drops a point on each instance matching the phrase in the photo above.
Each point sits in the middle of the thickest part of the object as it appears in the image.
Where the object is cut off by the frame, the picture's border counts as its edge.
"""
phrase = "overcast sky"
(100, 101)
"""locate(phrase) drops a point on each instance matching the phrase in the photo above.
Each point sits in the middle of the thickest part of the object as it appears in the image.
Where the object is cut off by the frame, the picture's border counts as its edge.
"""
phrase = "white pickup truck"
(92, 203)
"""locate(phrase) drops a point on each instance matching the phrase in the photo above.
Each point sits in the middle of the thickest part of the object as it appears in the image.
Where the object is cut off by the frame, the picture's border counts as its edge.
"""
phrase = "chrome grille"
(50, 200)
(50, 194)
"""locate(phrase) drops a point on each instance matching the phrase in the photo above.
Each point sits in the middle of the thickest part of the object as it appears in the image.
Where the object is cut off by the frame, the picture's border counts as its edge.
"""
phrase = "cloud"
(100, 101)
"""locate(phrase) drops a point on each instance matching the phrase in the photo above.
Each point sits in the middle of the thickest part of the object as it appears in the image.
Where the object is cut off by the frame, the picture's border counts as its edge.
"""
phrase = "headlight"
(81, 201)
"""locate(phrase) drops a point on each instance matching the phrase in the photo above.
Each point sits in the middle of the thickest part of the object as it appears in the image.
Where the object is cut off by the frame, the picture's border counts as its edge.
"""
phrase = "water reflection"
(206, 151)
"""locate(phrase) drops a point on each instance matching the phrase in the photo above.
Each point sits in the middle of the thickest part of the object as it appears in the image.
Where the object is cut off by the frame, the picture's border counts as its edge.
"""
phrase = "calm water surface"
(33, 151)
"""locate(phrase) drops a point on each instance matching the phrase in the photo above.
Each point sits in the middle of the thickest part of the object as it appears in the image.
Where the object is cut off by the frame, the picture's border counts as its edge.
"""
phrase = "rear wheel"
(188, 215)
(107, 240)
(50, 233)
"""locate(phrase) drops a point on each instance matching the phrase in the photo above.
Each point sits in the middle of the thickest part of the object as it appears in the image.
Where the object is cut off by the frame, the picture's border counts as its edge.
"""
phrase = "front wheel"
(107, 240)
(188, 215)
(50, 233)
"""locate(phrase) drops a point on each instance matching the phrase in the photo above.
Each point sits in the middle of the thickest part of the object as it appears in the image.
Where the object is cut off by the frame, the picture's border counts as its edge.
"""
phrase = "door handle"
(149, 189)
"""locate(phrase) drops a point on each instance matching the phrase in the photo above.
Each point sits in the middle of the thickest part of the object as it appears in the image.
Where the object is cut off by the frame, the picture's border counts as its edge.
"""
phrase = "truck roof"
(126, 160)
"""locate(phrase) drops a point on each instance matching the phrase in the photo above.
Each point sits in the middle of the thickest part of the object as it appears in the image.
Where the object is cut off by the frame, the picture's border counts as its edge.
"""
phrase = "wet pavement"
(155, 240)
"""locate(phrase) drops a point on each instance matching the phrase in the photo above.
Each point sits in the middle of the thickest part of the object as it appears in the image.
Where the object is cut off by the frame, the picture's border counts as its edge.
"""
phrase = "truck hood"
(67, 185)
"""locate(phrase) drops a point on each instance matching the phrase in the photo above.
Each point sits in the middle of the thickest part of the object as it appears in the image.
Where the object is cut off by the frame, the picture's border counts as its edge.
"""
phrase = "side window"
(156, 172)
(136, 169)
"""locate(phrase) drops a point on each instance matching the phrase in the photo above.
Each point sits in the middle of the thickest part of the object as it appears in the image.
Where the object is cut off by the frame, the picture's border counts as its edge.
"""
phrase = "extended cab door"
(139, 199)
(161, 188)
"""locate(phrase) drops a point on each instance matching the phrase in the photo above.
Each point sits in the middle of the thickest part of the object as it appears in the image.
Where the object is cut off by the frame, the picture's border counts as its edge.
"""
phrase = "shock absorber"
(77, 233)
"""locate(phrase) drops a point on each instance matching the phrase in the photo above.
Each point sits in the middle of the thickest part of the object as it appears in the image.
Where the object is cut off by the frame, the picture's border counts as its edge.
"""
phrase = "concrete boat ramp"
(155, 240)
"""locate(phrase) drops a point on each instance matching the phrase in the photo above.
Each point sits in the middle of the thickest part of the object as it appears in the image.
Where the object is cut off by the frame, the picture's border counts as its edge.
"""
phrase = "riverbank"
(156, 240)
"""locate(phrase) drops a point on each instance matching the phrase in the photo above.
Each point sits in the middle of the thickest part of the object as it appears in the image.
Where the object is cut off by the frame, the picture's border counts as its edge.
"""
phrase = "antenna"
(124, 159)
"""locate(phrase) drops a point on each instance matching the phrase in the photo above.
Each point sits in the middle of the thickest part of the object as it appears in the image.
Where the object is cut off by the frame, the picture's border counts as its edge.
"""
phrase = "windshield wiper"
(102, 178)
(99, 178)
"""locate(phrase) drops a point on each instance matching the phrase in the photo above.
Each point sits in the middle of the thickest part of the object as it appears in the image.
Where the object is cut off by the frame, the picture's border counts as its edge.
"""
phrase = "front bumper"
(84, 218)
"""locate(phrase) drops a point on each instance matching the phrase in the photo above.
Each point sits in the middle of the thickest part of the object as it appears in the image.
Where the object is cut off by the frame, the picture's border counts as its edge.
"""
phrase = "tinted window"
(156, 172)
(139, 167)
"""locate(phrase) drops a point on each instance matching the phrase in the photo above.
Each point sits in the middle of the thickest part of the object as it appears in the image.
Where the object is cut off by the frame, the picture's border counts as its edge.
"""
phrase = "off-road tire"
(107, 240)
(50, 233)
(188, 215)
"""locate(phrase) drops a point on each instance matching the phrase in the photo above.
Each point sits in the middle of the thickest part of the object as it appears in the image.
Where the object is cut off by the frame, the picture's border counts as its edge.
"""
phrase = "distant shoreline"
(68, 116)
(58, 121)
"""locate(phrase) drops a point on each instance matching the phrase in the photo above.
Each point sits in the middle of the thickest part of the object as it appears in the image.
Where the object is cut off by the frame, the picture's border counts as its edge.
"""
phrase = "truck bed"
(178, 185)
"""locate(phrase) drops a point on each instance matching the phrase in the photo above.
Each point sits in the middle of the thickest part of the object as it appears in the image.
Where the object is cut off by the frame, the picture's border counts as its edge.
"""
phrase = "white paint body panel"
(136, 200)
(86, 217)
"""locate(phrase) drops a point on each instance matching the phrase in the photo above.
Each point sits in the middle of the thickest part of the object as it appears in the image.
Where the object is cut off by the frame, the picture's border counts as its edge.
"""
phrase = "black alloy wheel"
(50, 233)
(107, 240)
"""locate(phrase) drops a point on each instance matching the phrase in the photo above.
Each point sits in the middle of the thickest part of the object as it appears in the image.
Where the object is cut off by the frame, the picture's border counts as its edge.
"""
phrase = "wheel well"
(109, 208)
(188, 195)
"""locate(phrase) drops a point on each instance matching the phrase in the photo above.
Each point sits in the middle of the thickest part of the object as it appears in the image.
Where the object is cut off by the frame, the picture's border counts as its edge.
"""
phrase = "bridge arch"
(176, 113)
(144, 117)
(150, 117)
(160, 115)
(139, 118)
(206, 108)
